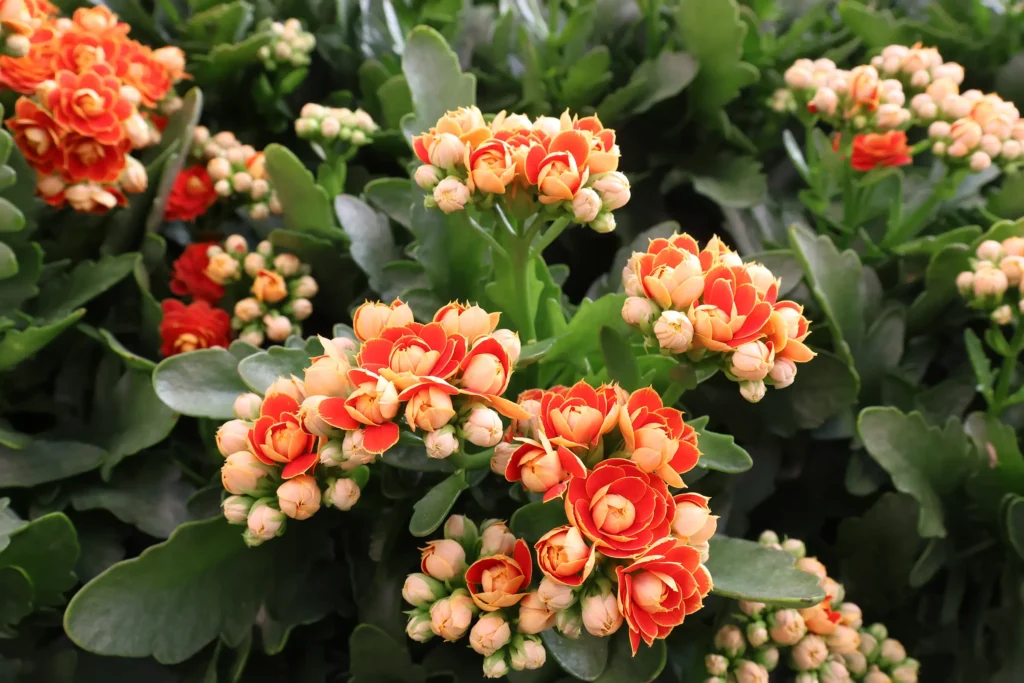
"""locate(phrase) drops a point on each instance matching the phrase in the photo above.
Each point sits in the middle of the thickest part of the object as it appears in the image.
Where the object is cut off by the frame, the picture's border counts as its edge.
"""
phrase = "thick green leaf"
(745, 570)
(435, 78)
(623, 667)
(16, 290)
(653, 81)
(9, 523)
(733, 181)
(11, 219)
(1003, 473)
(8, 262)
(377, 657)
(131, 417)
(88, 280)
(619, 360)
(1015, 524)
(164, 170)
(393, 196)
(42, 461)
(980, 362)
(719, 451)
(47, 550)
(305, 205)
(585, 658)
(579, 340)
(18, 345)
(200, 383)
(713, 34)
(414, 458)
(260, 370)
(923, 461)
(373, 245)
(430, 511)
(882, 349)
(16, 596)
(227, 60)
(533, 520)
(322, 256)
(877, 28)
(176, 596)
(940, 286)
(452, 254)
(824, 388)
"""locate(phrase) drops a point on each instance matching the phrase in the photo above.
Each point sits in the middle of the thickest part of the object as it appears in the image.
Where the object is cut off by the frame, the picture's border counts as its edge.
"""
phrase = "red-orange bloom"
(37, 135)
(656, 437)
(499, 581)
(90, 103)
(560, 170)
(24, 74)
(86, 158)
(407, 355)
(99, 21)
(579, 417)
(371, 407)
(603, 155)
(196, 326)
(77, 50)
(619, 507)
(191, 196)
(787, 329)
(188, 275)
(821, 618)
(136, 66)
(734, 311)
(564, 556)
(542, 467)
(278, 438)
(871, 150)
(485, 373)
(660, 589)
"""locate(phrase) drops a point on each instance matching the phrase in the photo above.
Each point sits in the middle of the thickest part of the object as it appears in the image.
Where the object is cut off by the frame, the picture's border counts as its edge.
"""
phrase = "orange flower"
(543, 468)
(371, 407)
(496, 581)
(24, 74)
(472, 322)
(99, 21)
(564, 556)
(278, 437)
(734, 312)
(269, 286)
(561, 170)
(491, 167)
(787, 329)
(864, 95)
(373, 317)
(604, 155)
(871, 150)
(656, 438)
(659, 590)
(413, 354)
(15, 15)
(579, 417)
(465, 123)
(37, 135)
(86, 158)
(77, 49)
(821, 619)
(619, 507)
(671, 274)
(90, 103)
(137, 67)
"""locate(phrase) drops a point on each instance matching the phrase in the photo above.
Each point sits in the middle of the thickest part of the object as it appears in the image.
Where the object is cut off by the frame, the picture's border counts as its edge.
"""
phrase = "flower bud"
(868, 644)
(786, 627)
(904, 674)
(418, 628)
(692, 514)
(730, 641)
(301, 308)
(877, 676)
(222, 188)
(569, 623)
(278, 327)
(133, 177)
(221, 268)
(311, 420)
(419, 590)
(354, 452)
(450, 617)
(637, 311)
(825, 102)
(332, 453)
(844, 640)
(253, 264)
(604, 223)
(768, 537)
(495, 666)
(329, 128)
(990, 282)
(446, 151)
(850, 615)
(768, 657)
(1002, 315)
(232, 436)
(752, 391)
(236, 508)
(783, 373)
(891, 652)
(752, 361)
(799, 76)
(287, 264)
(299, 497)
(556, 596)
(856, 663)
(834, 671)
(674, 331)
(502, 453)
(451, 194)
(586, 205)
(251, 336)
(980, 161)
(462, 529)
(601, 615)
(137, 131)
(527, 655)
(264, 522)
(243, 474)
(613, 187)
(442, 443)
(444, 559)
(342, 494)
(757, 633)
(489, 634)
(247, 309)
(241, 182)
(751, 608)
(483, 427)
(747, 671)
(716, 665)
(496, 539)
(809, 654)
(795, 547)
(427, 177)
(509, 341)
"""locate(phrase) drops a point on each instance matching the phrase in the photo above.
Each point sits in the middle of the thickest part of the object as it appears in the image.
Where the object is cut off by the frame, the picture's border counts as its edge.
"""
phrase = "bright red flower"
(871, 150)
(188, 275)
(90, 103)
(191, 196)
(37, 135)
(500, 581)
(656, 437)
(659, 590)
(196, 326)
(278, 437)
(619, 507)
(86, 158)
(578, 417)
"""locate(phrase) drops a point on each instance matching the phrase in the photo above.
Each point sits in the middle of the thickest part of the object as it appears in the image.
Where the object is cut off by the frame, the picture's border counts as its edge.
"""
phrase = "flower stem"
(475, 461)
(485, 233)
(552, 234)
(1006, 371)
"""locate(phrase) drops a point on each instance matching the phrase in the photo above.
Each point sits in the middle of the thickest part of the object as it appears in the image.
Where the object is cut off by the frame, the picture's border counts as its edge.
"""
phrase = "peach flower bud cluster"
(707, 308)
(290, 45)
(335, 128)
(973, 130)
(566, 167)
(860, 98)
(995, 283)
(237, 172)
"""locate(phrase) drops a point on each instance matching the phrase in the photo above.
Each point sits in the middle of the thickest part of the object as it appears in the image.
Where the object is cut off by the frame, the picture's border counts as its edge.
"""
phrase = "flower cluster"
(826, 642)
(271, 295)
(718, 311)
(567, 164)
(290, 46)
(90, 95)
(995, 284)
(488, 576)
(333, 128)
(224, 168)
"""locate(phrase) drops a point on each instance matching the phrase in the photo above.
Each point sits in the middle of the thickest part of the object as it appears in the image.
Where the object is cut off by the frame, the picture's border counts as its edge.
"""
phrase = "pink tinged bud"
(222, 268)
(311, 421)
(252, 336)
(451, 194)
(529, 655)
(50, 185)
(232, 436)
(287, 264)
(499, 461)
(427, 177)
(495, 666)
(787, 627)
(752, 391)
(825, 101)
(418, 628)
(1010, 150)
(247, 407)
(329, 128)
(489, 634)
(299, 498)
(1002, 315)
(137, 130)
(751, 608)
(674, 331)
(342, 494)
(236, 509)
(279, 327)
(446, 151)
(264, 523)
(460, 528)
(990, 250)
(483, 427)
(690, 519)
(133, 177)
(892, 652)
(799, 76)
(752, 361)
(332, 453)
(613, 187)
(920, 79)
(783, 373)
(247, 309)
(980, 161)
(509, 341)
(219, 168)
(450, 617)
(569, 623)
(556, 596)
(604, 223)
(601, 615)
(236, 244)
(302, 309)
(354, 453)
(496, 540)
(637, 311)
(444, 559)
(586, 205)
(534, 615)
(796, 548)
(306, 287)
(716, 665)
(484, 374)
(991, 145)
(809, 654)
(747, 671)
(730, 641)
(420, 590)
(990, 282)
(253, 264)
(442, 443)
(891, 116)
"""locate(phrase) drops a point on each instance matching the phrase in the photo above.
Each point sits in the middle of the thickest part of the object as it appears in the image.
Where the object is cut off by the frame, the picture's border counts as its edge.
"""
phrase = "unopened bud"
(462, 529)
(236, 508)
(302, 308)
(674, 332)
(278, 327)
(604, 223)
(730, 641)
(483, 427)
(420, 590)
(247, 406)
(752, 391)
(265, 522)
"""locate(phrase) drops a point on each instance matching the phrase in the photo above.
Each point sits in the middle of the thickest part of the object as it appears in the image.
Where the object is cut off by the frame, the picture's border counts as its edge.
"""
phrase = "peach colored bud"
(251, 336)
(637, 311)
(851, 615)
(980, 161)
(483, 427)
(601, 615)
(834, 671)
(441, 443)
(353, 451)
(473, 323)
(1012, 267)
(690, 518)
(50, 185)
(172, 59)
(495, 665)
(269, 287)
(484, 374)
(527, 655)
(219, 168)
(278, 327)
(812, 565)
(892, 652)
(809, 654)
(306, 287)
(236, 509)
(704, 534)
(287, 264)
(247, 309)
(451, 194)
(787, 627)
(825, 101)
(730, 640)
(299, 498)
(747, 671)
(1010, 150)
(489, 634)
(418, 628)
(752, 391)
(966, 135)
(569, 623)
(137, 130)
(253, 264)
(716, 665)
(450, 617)
(429, 409)
(342, 494)
(236, 244)
(419, 590)
(989, 250)
(752, 361)
(232, 436)
(446, 151)
(990, 281)
(264, 523)
(302, 308)
(843, 640)
(799, 76)
(920, 79)
(509, 341)
(372, 318)
(329, 128)
(290, 386)
(604, 223)
(783, 373)
(312, 111)
(427, 177)
(586, 205)
(891, 116)
(1013, 246)
(328, 376)
(247, 407)
(991, 145)
(222, 268)
(502, 453)
(496, 539)
(674, 331)
(260, 188)
(243, 474)
(241, 182)
(555, 596)
(444, 559)
(222, 187)
(613, 187)
(950, 70)
(133, 178)
(311, 421)
(534, 614)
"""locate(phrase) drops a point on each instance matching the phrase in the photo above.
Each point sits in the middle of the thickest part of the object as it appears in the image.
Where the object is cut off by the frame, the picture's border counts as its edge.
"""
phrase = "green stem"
(1006, 371)
(552, 234)
(505, 222)
(485, 233)
(522, 260)
(475, 461)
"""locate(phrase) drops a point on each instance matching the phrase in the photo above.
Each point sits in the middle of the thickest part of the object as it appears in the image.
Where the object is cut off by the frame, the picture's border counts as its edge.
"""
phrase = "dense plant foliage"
(399, 340)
